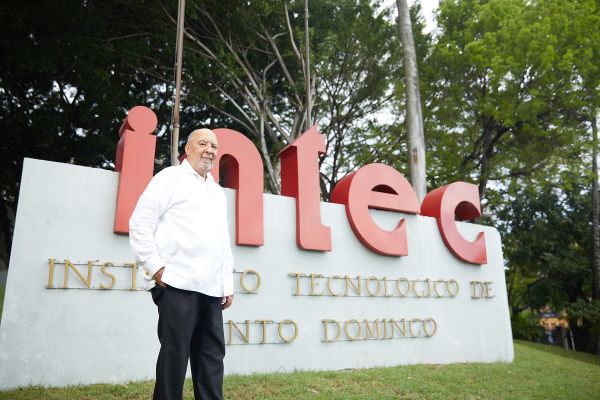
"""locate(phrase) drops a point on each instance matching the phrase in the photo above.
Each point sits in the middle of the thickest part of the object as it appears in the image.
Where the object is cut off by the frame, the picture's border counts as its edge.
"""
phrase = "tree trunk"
(595, 220)
(178, 65)
(414, 116)
(271, 176)
(307, 78)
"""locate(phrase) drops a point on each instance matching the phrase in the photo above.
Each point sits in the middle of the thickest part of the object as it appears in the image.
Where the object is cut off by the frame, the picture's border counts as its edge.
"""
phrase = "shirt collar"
(187, 167)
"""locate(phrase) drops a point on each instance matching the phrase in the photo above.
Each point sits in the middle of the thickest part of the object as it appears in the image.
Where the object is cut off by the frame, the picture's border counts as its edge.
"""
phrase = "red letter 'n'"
(242, 170)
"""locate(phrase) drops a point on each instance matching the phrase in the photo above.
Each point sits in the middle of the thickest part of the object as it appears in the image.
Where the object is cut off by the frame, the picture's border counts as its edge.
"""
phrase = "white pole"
(178, 65)
(307, 72)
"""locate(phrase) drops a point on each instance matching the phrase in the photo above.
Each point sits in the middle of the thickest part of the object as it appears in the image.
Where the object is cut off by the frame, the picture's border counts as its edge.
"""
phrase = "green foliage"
(357, 61)
(526, 326)
(589, 310)
(538, 372)
(381, 140)
(547, 240)
(69, 71)
(510, 88)
(500, 90)
(354, 59)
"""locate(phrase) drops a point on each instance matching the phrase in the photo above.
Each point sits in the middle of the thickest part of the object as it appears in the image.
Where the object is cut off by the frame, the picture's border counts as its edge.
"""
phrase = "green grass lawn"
(538, 372)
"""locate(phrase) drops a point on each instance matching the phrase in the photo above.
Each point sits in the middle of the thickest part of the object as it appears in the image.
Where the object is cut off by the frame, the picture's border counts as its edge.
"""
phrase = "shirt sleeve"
(228, 258)
(144, 220)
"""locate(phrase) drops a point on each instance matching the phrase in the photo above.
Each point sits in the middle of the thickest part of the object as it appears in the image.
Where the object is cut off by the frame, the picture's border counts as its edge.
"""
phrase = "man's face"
(201, 150)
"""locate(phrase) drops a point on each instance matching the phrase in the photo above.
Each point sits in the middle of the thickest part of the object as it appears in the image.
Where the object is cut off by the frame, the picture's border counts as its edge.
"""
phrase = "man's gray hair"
(197, 131)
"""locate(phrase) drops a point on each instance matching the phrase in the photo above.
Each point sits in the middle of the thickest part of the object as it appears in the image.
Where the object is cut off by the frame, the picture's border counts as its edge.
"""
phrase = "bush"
(527, 327)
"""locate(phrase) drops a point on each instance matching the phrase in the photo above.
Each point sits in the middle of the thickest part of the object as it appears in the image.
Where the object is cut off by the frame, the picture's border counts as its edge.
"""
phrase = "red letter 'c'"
(462, 199)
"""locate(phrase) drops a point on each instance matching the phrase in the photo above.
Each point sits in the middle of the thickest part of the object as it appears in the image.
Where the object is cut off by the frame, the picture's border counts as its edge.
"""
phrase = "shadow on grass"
(559, 351)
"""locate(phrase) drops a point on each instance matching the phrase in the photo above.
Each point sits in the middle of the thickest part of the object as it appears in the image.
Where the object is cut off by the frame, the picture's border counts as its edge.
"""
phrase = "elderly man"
(179, 232)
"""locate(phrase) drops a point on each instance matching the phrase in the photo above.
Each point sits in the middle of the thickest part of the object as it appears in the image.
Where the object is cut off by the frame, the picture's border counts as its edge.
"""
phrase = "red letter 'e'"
(242, 170)
(135, 162)
(381, 187)
(462, 199)
(300, 179)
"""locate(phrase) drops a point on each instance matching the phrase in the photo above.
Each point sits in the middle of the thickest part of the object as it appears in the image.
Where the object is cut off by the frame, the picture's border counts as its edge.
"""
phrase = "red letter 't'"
(300, 179)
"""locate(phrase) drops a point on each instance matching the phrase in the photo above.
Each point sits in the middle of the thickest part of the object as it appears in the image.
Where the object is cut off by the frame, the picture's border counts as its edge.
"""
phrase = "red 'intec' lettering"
(375, 186)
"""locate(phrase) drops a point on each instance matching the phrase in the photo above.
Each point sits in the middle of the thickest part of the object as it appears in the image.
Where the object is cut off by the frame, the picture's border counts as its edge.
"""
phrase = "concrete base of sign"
(348, 308)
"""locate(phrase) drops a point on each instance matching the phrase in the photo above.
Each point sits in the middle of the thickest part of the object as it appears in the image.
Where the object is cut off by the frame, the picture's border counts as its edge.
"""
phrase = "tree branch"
(283, 66)
(290, 31)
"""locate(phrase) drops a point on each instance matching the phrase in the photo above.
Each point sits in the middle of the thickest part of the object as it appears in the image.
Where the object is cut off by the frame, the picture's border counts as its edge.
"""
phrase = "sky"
(428, 7)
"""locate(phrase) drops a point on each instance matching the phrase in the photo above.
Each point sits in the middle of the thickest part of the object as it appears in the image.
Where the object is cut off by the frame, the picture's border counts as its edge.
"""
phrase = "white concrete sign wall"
(348, 308)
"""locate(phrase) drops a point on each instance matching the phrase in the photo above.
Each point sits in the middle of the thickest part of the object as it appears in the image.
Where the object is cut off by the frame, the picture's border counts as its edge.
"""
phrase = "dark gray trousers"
(190, 327)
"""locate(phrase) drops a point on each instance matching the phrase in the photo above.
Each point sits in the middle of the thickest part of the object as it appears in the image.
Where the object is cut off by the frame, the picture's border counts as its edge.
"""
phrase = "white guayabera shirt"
(180, 222)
